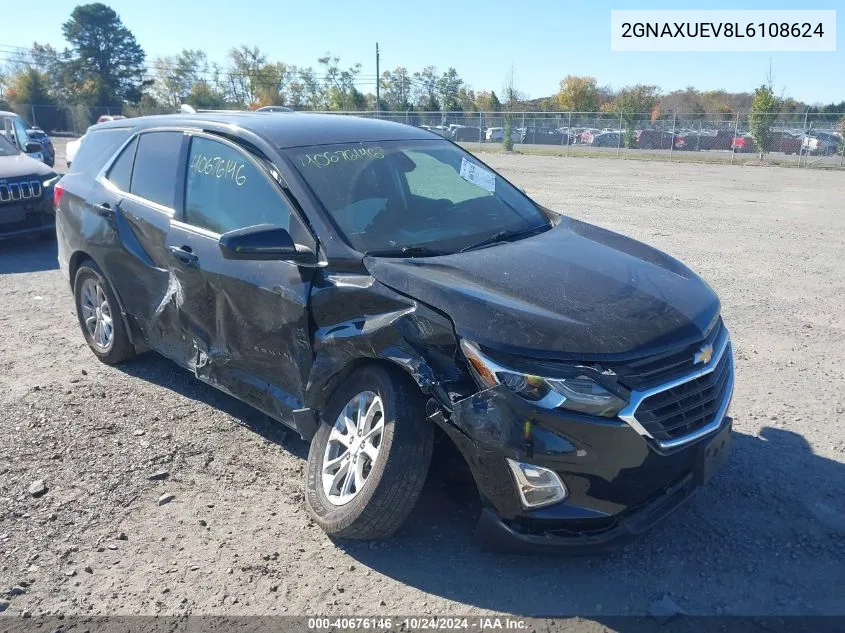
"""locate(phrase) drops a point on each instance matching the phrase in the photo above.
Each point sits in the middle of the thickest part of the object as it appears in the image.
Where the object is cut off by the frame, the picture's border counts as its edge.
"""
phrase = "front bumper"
(20, 219)
(573, 537)
(620, 481)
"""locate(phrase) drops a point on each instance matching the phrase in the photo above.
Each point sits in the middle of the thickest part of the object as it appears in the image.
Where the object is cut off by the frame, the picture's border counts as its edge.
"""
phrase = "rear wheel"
(99, 315)
(369, 459)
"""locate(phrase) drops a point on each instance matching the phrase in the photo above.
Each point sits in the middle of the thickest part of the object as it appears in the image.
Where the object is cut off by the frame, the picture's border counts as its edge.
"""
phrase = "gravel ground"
(112, 444)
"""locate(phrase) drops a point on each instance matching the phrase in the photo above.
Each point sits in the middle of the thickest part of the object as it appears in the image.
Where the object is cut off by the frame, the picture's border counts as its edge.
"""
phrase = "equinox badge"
(703, 355)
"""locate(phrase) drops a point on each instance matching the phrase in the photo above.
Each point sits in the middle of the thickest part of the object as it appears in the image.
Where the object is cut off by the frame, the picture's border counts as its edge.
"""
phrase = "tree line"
(104, 66)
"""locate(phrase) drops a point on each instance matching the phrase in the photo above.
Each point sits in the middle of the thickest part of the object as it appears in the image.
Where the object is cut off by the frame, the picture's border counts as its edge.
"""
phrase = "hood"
(575, 291)
(22, 165)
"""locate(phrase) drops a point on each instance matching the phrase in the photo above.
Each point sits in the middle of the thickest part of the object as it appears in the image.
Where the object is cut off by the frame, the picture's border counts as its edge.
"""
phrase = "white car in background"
(71, 148)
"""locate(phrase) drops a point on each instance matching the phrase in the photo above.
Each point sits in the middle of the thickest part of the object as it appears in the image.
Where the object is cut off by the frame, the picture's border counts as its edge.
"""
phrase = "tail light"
(58, 192)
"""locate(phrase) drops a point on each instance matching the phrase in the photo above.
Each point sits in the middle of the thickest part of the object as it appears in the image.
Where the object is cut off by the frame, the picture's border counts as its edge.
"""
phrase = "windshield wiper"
(503, 236)
(407, 251)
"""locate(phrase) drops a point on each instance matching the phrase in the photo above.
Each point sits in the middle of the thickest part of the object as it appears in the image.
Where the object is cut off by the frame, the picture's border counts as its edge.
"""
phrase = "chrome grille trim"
(18, 191)
(628, 414)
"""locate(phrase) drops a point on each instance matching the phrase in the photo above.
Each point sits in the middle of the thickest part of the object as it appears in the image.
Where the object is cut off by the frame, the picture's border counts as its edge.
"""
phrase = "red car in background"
(777, 142)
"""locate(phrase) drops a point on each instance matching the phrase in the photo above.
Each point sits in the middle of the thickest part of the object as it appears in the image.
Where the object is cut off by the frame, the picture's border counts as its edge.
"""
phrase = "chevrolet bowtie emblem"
(703, 356)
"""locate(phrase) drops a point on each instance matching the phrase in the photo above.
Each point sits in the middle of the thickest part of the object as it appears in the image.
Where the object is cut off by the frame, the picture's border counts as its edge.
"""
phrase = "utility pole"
(378, 82)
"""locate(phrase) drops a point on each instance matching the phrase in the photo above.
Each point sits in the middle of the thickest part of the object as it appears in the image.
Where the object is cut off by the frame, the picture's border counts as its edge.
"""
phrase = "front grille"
(23, 190)
(643, 373)
(676, 412)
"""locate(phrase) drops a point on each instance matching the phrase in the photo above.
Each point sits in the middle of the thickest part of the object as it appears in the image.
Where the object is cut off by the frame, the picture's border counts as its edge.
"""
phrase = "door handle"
(183, 253)
(104, 210)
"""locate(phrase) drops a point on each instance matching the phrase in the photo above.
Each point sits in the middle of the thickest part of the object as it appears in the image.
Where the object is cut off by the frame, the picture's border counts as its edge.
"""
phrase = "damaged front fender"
(357, 319)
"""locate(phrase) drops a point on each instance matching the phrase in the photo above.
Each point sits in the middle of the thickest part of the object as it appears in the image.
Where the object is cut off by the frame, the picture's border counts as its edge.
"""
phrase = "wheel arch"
(75, 263)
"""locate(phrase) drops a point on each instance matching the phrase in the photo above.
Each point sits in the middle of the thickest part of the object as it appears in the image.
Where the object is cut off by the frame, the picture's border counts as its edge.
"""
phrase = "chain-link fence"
(800, 139)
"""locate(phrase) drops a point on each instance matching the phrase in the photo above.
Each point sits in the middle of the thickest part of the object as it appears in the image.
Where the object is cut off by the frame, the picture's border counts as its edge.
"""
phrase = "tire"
(395, 478)
(118, 347)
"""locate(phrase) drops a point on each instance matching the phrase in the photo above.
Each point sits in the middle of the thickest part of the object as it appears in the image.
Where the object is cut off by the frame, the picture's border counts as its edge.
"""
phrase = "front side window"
(398, 195)
(225, 190)
(6, 148)
(20, 134)
(156, 166)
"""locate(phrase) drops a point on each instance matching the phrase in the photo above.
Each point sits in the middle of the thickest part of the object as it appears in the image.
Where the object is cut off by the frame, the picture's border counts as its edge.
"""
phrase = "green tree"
(635, 104)
(578, 94)
(396, 89)
(205, 97)
(448, 90)
(765, 107)
(176, 75)
(512, 98)
(105, 55)
(487, 102)
(245, 74)
(426, 82)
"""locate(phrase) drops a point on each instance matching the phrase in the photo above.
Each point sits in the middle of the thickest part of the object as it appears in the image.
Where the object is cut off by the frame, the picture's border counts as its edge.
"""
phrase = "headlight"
(577, 393)
(50, 181)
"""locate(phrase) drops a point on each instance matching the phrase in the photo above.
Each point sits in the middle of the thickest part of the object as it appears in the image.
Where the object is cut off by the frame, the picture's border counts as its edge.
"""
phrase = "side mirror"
(264, 242)
(33, 147)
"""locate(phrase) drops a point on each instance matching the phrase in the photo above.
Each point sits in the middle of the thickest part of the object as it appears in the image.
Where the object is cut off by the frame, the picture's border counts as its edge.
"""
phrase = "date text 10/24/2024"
(424, 623)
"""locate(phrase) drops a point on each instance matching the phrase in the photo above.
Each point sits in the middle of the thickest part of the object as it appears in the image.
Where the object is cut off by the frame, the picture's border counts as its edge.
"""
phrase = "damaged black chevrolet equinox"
(372, 286)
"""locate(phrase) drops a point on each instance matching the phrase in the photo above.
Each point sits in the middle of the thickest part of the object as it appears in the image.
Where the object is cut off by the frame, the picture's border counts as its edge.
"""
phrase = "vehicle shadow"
(158, 370)
(766, 534)
(28, 255)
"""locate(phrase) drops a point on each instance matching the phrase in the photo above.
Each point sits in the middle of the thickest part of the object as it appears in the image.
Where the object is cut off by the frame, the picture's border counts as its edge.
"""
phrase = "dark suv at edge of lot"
(367, 283)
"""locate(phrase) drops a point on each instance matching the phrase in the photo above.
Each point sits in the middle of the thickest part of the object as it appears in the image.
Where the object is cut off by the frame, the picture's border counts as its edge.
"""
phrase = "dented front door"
(245, 322)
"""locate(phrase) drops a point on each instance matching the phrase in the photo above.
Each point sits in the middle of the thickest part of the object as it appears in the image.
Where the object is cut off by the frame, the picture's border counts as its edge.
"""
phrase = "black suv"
(373, 286)
(26, 194)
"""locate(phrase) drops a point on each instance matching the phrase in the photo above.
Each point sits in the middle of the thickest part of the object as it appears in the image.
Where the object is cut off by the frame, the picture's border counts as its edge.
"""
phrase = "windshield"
(6, 148)
(426, 195)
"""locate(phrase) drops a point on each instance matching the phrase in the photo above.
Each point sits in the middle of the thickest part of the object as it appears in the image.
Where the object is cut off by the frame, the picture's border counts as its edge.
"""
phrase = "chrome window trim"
(197, 230)
(628, 414)
(108, 184)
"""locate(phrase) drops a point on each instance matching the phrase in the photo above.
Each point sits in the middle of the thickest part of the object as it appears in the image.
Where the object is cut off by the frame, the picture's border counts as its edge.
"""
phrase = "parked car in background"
(784, 141)
(587, 135)
(71, 149)
(339, 274)
(466, 134)
(104, 118)
(821, 143)
(653, 139)
(274, 109)
(38, 135)
(743, 144)
(497, 134)
(26, 193)
(14, 128)
(607, 139)
(544, 136)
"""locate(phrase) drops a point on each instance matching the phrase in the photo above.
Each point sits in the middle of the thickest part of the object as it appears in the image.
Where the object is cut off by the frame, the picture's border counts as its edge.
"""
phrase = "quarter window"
(120, 174)
(156, 165)
(225, 190)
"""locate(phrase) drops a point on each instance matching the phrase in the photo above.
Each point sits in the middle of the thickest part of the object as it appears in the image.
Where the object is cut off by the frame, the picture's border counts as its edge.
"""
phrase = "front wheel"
(369, 459)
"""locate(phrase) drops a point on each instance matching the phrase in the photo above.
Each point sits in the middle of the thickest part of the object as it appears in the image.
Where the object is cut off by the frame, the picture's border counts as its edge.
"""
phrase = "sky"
(542, 41)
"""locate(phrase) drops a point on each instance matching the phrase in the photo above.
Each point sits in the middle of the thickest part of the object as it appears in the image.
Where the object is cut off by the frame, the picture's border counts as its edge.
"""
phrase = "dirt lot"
(767, 536)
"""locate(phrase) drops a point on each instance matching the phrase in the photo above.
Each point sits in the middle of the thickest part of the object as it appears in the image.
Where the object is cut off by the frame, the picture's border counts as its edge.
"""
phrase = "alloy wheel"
(353, 448)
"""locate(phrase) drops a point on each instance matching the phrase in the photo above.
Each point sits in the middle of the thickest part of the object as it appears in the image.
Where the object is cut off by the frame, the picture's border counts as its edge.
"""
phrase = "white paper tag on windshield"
(478, 175)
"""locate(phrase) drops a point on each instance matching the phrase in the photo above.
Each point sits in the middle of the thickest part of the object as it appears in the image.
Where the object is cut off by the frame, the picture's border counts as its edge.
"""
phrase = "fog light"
(537, 486)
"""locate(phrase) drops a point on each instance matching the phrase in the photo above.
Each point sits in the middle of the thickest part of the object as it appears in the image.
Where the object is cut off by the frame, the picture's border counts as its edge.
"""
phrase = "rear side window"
(97, 147)
(156, 166)
(120, 174)
(226, 191)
